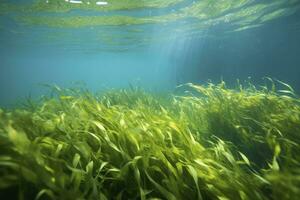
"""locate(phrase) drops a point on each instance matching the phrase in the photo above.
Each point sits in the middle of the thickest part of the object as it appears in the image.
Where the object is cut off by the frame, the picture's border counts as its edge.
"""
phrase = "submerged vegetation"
(202, 142)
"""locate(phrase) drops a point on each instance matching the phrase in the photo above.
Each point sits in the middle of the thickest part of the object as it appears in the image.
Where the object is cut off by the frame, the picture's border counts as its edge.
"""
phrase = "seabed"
(208, 142)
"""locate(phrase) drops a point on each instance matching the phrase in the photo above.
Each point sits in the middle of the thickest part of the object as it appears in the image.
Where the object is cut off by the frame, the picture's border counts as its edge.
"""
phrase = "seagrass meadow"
(149, 99)
(199, 142)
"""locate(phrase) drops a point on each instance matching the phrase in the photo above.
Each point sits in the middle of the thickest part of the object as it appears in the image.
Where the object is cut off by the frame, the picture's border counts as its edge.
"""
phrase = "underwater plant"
(208, 142)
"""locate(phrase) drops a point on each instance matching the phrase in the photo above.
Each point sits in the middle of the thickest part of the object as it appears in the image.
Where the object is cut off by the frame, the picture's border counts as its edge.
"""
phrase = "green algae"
(201, 142)
(79, 21)
(63, 6)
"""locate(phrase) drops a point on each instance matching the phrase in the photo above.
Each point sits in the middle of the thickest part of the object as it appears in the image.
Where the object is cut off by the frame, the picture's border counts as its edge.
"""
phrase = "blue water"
(156, 56)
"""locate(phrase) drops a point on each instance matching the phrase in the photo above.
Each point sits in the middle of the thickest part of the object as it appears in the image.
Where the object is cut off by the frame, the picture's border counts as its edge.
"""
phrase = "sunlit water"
(155, 44)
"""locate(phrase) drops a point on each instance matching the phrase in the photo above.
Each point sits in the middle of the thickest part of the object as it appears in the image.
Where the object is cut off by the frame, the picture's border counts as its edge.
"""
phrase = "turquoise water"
(154, 44)
(208, 110)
